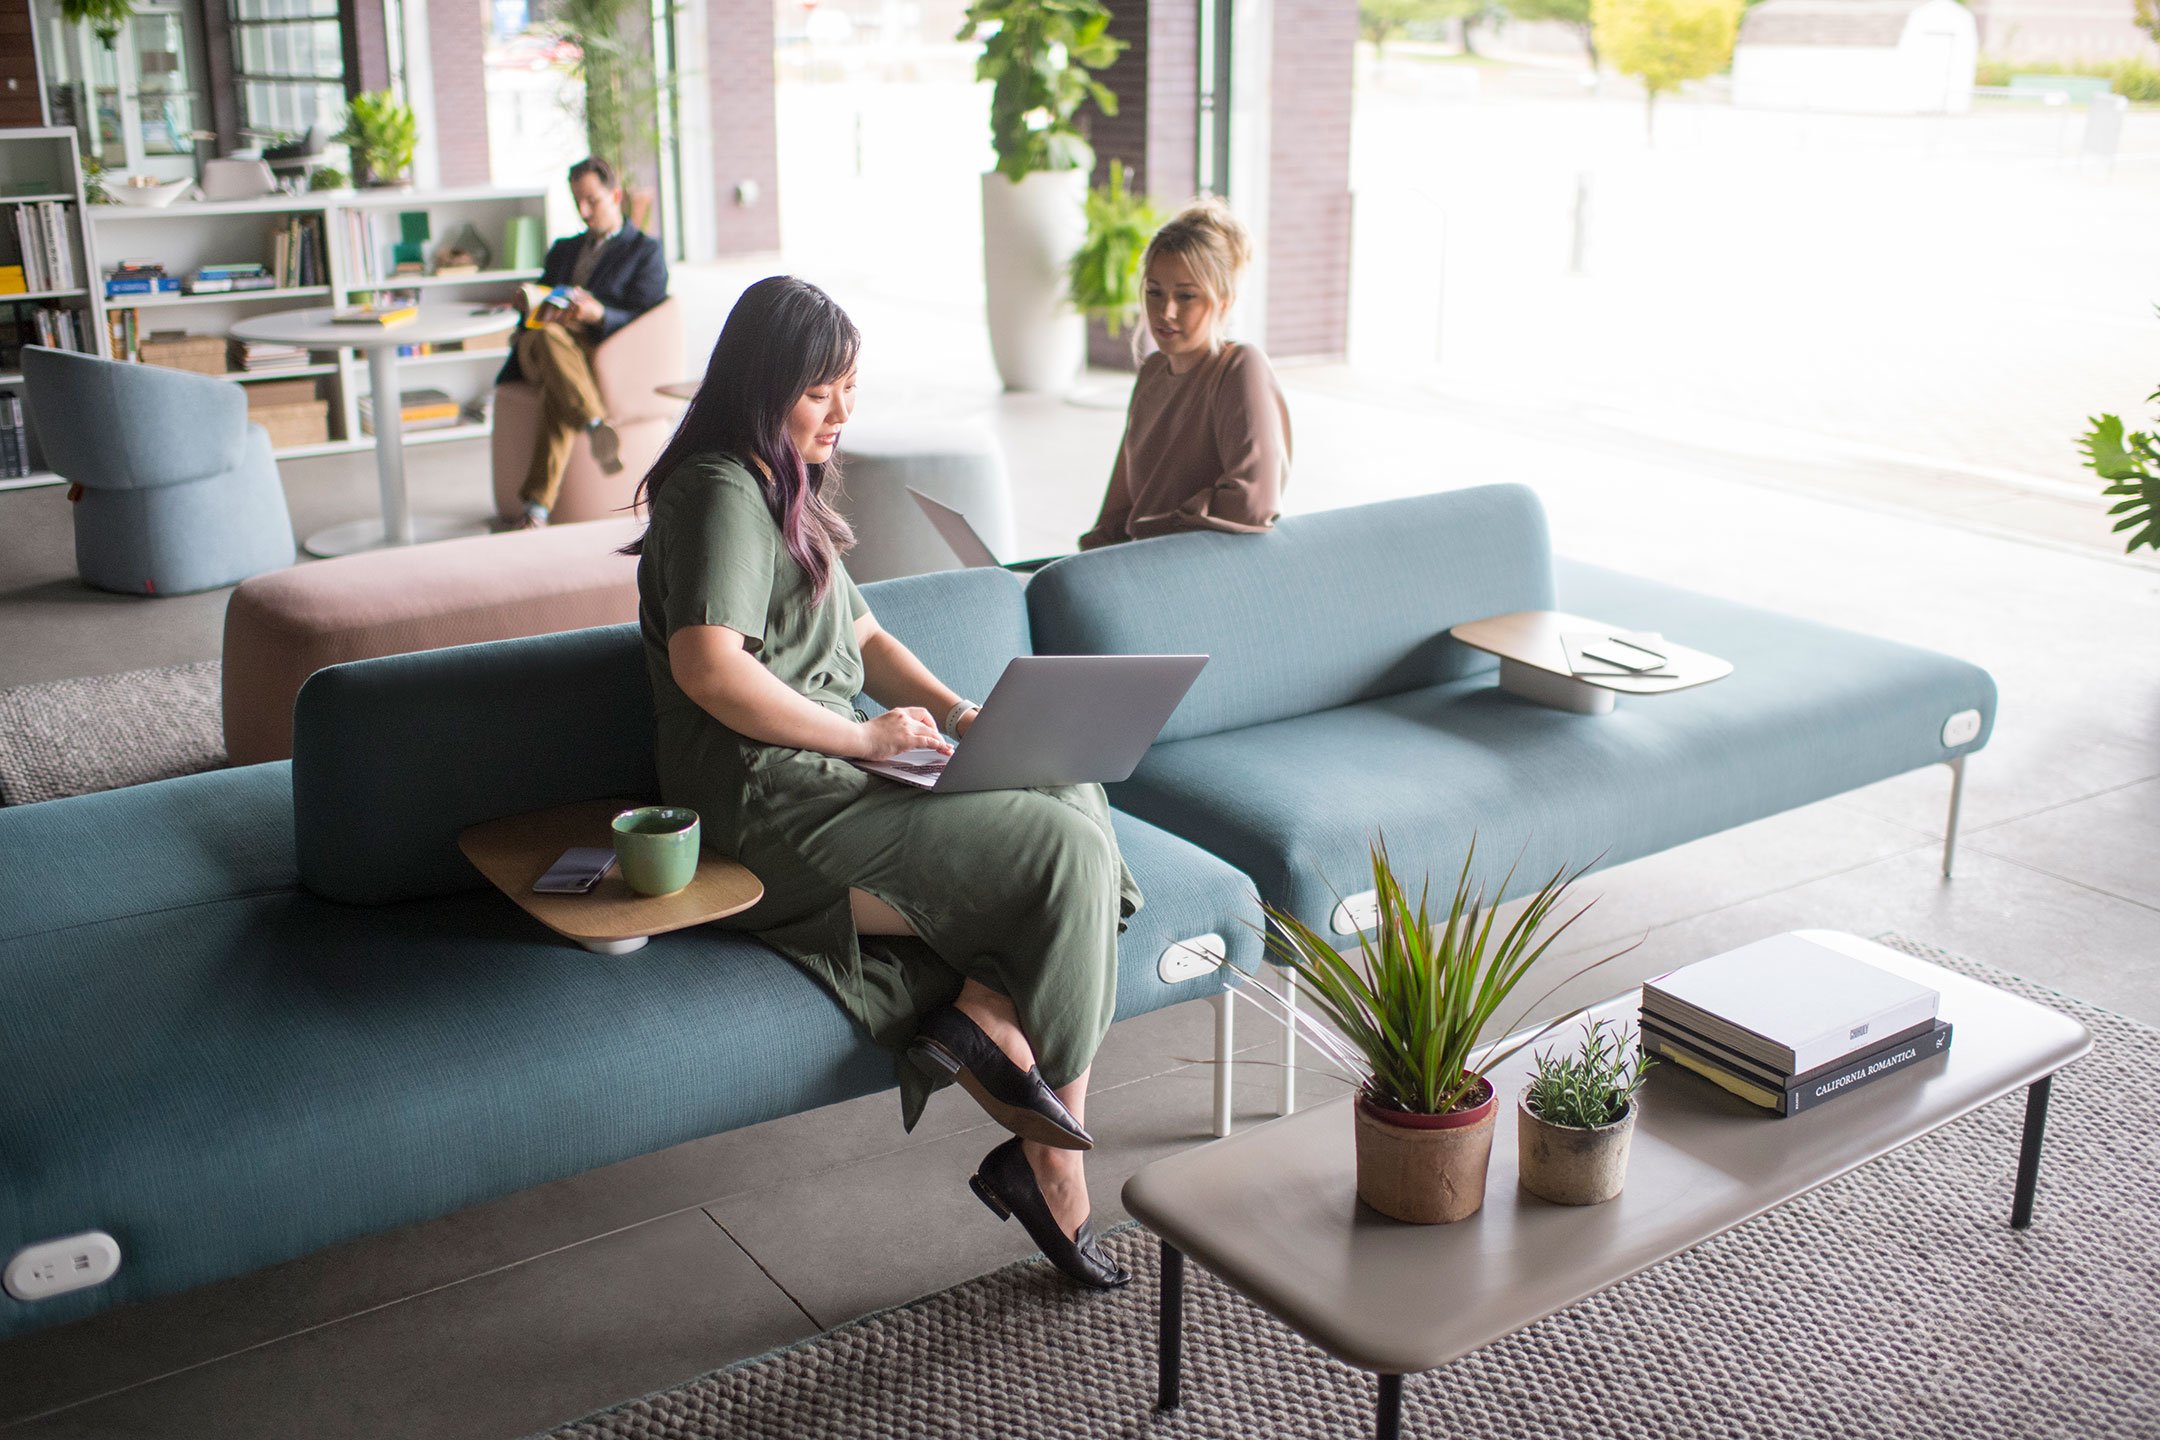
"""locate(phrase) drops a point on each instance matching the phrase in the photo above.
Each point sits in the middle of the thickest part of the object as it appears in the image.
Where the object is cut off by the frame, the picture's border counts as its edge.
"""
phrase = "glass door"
(135, 104)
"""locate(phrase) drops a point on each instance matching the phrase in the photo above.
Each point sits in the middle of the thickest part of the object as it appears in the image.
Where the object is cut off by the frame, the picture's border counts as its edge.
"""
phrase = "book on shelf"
(379, 316)
(225, 284)
(417, 410)
(12, 280)
(141, 285)
(257, 356)
(1792, 1095)
(14, 438)
(1787, 1003)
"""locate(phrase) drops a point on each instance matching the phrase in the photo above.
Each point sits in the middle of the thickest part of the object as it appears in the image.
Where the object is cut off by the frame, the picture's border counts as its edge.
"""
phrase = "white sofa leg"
(1289, 1043)
(1225, 1047)
(1957, 797)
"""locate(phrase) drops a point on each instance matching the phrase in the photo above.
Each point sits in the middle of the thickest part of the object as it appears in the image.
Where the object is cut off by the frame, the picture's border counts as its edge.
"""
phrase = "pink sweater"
(1206, 450)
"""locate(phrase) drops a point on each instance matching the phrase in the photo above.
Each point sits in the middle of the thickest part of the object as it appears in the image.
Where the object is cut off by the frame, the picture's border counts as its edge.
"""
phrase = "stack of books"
(296, 252)
(1787, 1024)
(218, 279)
(257, 356)
(139, 277)
(14, 438)
(417, 410)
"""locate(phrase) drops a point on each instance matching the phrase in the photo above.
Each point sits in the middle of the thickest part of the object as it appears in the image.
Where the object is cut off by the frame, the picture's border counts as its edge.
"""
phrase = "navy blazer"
(629, 280)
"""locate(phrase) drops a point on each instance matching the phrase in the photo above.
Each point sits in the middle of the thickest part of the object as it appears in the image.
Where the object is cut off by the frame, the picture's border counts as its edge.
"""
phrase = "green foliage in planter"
(1404, 1012)
(2130, 462)
(105, 16)
(383, 135)
(1037, 60)
(623, 88)
(328, 177)
(1103, 277)
(1592, 1086)
(94, 173)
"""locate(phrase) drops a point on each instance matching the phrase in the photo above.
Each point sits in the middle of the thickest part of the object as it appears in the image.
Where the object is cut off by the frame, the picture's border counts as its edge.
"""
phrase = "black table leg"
(1172, 1335)
(2028, 1176)
(1390, 1420)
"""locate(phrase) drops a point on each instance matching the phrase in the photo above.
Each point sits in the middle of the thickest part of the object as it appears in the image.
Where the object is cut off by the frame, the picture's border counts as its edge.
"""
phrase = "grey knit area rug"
(70, 737)
(1895, 1301)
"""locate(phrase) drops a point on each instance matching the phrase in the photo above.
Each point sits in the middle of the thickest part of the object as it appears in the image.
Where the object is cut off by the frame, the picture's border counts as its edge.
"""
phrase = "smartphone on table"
(576, 871)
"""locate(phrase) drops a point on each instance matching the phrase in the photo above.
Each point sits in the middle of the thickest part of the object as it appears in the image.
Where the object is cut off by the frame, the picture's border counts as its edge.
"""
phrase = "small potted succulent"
(1403, 1014)
(1576, 1117)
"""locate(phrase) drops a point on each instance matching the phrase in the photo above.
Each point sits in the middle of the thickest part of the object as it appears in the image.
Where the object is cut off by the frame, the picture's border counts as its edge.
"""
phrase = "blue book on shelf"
(146, 285)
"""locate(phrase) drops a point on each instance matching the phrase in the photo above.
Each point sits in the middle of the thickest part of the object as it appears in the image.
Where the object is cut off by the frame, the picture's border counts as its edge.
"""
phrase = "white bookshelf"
(39, 166)
(184, 237)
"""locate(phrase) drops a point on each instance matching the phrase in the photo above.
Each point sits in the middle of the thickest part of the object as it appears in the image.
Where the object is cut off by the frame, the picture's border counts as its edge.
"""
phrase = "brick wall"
(18, 67)
(1308, 226)
(367, 45)
(745, 140)
(457, 37)
(1156, 130)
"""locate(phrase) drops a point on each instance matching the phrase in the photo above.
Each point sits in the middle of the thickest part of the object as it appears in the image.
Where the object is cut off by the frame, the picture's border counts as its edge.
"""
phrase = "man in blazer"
(612, 273)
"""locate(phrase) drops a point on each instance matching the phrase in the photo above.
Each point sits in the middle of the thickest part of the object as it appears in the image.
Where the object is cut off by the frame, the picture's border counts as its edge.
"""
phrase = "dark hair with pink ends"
(784, 337)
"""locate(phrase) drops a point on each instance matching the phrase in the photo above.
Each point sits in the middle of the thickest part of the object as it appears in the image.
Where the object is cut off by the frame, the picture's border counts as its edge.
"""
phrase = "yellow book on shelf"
(378, 315)
(12, 281)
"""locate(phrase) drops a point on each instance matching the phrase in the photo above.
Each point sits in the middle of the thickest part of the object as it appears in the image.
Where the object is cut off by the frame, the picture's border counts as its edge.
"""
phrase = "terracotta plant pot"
(1569, 1165)
(1425, 1169)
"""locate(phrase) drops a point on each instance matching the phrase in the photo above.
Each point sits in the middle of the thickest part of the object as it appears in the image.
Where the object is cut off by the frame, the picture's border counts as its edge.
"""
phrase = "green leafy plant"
(2132, 77)
(1404, 1012)
(328, 177)
(624, 91)
(1103, 277)
(95, 173)
(2130, 463)
(1593, 1085)
(1665, 43)
(383, 135)
(1037, 59)
(104, 16)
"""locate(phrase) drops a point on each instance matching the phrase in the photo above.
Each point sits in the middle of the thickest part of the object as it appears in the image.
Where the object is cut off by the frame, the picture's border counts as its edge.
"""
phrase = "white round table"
(434, 325)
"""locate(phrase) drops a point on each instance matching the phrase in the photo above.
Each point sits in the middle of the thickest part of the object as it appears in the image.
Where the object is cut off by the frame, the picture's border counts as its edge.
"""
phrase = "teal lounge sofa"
(249, 1014)
(1336, 707)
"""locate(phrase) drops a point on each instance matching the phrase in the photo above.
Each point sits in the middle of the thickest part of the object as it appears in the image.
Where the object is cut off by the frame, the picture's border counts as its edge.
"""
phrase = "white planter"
(1030, 231)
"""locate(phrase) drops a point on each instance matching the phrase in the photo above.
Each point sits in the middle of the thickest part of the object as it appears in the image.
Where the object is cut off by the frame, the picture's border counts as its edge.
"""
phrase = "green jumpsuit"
(1023, 890)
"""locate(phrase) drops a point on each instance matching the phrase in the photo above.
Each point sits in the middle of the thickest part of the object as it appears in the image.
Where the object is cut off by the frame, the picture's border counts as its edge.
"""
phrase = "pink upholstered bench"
(282, 627)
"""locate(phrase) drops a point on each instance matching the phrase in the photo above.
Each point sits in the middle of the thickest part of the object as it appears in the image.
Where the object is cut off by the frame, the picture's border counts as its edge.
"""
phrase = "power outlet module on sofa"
(54, 1267)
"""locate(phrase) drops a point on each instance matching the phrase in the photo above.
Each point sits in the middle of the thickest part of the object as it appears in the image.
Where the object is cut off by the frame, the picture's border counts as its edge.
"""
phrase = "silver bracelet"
(954, 715)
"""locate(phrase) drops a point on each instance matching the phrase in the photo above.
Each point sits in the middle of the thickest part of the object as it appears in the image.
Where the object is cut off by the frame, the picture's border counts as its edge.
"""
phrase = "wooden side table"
(611, 919)
(1536, 663)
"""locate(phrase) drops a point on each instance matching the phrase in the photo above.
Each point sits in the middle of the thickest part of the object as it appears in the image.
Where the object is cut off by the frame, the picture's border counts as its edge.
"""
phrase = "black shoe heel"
(933, 1060)
(949, 1046)
(989, 1197)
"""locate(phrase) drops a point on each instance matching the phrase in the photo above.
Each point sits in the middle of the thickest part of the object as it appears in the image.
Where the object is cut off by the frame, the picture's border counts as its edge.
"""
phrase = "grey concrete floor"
(547, 1304)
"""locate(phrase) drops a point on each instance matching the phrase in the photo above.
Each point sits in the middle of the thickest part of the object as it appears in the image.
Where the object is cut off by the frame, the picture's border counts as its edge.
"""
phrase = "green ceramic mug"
(657, 846)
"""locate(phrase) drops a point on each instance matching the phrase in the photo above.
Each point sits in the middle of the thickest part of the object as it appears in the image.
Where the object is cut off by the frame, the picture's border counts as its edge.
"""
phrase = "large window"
(289, 64)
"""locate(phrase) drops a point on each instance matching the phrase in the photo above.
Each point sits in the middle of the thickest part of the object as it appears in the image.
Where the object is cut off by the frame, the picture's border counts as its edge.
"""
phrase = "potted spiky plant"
(1577, 1117)
(1404, 1015)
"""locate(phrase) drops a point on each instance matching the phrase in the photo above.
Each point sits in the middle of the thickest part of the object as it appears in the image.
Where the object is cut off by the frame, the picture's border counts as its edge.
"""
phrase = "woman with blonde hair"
(1207, 435)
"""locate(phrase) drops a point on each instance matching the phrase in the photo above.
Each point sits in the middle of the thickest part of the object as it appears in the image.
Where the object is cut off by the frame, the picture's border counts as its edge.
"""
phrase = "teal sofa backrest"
(393, 757)
(1329, 609)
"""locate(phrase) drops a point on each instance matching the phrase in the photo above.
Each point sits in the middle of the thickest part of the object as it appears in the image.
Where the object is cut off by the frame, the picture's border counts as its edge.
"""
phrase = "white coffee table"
(435, 324)
(1274, 1212)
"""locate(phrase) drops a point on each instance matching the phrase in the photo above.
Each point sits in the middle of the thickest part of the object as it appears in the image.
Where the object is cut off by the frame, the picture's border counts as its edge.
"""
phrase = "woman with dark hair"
(975, 935)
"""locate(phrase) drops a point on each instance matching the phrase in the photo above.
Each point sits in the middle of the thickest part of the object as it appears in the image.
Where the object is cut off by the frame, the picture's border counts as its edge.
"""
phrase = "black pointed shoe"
(947, 1043)
(1006, 1183)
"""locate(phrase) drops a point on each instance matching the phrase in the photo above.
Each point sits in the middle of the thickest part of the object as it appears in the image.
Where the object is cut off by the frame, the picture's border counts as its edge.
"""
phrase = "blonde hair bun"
(1209, 239)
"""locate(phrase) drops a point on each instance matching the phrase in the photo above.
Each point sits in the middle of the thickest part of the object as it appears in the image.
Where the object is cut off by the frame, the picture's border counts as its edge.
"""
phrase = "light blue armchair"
(176, 491)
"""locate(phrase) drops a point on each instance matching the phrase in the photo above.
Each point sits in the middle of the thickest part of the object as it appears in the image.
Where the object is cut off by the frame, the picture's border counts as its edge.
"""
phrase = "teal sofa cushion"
(393, 757)
(1810, 711)
(1329, 609)
(220, 835)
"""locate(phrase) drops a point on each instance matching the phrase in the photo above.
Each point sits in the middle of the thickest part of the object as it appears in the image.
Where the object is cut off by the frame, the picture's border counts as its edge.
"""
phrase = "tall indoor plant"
(1037, 56)
(1404, 1014)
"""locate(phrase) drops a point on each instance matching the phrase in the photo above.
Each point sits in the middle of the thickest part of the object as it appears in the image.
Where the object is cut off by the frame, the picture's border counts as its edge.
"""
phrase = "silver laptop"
(958, 534)
(1056, 720)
